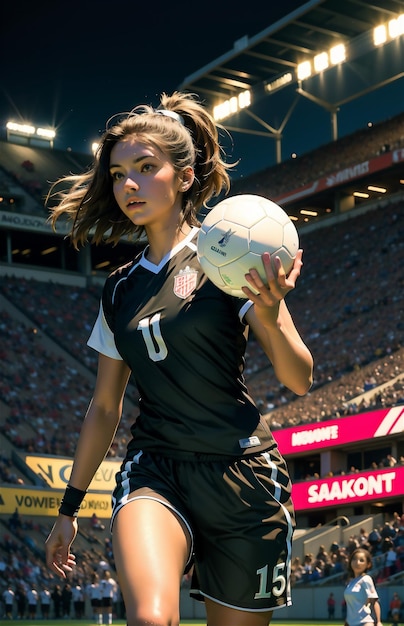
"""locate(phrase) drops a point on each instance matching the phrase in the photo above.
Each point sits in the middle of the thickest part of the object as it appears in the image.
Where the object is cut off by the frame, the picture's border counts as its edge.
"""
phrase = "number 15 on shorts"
(277, 585)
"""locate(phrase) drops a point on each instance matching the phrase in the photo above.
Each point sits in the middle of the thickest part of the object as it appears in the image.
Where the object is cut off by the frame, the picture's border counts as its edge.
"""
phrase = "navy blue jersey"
(184, 340)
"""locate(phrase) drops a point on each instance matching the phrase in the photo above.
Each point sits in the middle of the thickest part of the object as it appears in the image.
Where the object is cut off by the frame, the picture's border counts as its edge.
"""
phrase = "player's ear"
(187, 178)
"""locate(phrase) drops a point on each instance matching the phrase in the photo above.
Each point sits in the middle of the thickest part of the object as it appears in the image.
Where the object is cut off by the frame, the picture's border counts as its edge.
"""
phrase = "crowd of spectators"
(348, 306)
(44, 396)
(347, 394)
(313, 473)
(362, 145)
(34, 591)
(63, 312)
(8, 475)
(384, 542)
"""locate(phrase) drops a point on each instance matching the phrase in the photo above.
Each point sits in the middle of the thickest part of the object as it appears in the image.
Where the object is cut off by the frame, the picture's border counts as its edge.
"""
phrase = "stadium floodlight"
(304, 70)
(337, 54)
(380, 35)
(30, 132)
(94, 146)
(279, 82)
(232, 105)
(46, 133)
(321, 62)
(21, 129)
(393, 29)
(396, 26)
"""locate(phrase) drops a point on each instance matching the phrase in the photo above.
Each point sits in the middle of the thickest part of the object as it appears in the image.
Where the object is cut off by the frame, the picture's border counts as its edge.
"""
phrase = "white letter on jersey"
(155, 345)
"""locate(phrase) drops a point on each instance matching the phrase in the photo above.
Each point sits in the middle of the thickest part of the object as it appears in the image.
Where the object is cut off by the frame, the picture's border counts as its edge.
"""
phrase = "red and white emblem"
(185, 282)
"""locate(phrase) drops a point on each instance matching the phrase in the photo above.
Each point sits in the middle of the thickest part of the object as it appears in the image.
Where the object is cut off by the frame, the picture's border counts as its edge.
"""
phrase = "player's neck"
(160, 244)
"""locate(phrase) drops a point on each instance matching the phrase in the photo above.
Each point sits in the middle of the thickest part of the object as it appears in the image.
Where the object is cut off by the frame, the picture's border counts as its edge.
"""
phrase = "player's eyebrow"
(135, 160)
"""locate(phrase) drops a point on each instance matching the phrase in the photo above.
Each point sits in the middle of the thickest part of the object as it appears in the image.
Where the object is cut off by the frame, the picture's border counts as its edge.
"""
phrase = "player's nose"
(131, 183)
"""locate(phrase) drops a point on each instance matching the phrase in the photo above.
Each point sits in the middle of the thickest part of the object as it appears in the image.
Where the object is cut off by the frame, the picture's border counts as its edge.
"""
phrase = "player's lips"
(134, 203)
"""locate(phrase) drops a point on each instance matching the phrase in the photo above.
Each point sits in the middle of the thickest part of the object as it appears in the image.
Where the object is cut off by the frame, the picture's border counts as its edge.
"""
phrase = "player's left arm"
(273, 326)
(374, 602)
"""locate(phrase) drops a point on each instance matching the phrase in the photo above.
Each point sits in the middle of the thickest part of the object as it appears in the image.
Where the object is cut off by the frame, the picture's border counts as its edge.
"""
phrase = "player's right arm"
(274, 328)
(101, 420)
(97, 434)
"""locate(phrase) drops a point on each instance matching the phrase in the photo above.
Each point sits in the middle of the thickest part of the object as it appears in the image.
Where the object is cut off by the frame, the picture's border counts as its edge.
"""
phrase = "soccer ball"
(234, 235)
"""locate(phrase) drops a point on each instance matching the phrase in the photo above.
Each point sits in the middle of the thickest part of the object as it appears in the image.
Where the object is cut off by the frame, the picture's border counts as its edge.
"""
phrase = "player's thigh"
(151, 547)
(220, 615)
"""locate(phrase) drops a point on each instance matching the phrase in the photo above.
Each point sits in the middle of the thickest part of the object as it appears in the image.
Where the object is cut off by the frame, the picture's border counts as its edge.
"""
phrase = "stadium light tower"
(29, 134)
(232, 105)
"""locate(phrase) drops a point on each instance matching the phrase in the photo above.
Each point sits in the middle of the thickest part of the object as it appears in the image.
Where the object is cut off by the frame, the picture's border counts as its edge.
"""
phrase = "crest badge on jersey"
(185, 282)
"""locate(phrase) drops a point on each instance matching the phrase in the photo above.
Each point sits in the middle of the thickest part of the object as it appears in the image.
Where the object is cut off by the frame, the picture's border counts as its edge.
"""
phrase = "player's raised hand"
(278, 282)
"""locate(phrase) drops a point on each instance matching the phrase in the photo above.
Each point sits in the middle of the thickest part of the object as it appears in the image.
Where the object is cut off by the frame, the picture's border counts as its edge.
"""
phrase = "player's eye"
(147, 167)
(116, 175)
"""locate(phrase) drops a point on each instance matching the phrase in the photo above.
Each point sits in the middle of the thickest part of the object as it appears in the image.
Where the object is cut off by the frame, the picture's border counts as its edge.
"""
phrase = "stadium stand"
(353, 148)
(29, 171)
(337, 262)
(40, 386)
(355, 304)
(349, 307)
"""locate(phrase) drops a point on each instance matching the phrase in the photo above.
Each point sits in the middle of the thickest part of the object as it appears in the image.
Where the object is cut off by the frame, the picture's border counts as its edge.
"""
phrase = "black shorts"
(95, 602)
(239, 514)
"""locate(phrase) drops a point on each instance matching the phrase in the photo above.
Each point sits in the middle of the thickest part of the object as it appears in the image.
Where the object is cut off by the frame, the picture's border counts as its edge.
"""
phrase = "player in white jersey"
(93, 593)
(109, 592)
(360, 595)
(203, 481)
(33, 599)
(45, 602)
(8, 596)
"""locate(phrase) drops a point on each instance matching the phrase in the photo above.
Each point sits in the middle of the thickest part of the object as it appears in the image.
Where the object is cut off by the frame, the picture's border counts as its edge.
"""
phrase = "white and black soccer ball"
(234, 235)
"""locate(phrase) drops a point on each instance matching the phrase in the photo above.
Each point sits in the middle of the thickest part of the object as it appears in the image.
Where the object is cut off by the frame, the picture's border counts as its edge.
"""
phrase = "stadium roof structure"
(266, 65)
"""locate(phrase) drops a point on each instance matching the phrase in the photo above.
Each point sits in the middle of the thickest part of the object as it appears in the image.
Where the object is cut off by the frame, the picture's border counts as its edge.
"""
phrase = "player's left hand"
(278, 283)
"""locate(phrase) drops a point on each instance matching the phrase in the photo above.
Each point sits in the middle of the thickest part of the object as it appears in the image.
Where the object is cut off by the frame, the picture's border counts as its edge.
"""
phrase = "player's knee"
(150, 617)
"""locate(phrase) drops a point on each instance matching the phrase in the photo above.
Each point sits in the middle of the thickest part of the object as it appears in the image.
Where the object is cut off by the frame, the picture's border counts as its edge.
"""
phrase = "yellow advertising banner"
(55, 471)
(46, 502)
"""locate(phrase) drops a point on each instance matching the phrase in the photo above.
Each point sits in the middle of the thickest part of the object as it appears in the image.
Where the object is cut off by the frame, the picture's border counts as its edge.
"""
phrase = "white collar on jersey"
(152, 267)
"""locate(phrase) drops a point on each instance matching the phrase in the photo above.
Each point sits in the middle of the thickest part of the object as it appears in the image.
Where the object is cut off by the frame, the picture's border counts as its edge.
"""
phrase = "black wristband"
(71, 501)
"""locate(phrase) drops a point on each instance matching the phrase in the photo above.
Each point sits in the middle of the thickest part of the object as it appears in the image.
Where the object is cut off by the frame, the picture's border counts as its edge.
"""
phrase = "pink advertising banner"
(333, 433)
(349, 489)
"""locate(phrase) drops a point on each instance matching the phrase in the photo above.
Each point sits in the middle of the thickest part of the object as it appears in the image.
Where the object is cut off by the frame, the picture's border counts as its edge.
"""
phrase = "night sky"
(73, 65)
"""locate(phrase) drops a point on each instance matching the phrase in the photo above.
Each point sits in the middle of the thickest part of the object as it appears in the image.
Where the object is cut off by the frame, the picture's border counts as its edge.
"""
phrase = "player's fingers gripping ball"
(234, 235)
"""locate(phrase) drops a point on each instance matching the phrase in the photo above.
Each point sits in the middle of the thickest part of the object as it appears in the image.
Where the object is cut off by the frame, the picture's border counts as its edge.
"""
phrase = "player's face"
(145, 184)
(359, 563)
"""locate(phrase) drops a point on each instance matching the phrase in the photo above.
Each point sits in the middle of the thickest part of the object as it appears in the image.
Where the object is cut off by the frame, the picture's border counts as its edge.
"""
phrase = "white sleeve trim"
(244, 309)
(102, 338)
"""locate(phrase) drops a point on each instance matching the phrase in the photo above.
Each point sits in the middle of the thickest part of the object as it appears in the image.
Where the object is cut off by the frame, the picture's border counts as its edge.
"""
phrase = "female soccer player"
(203, 482)
(362, 600)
